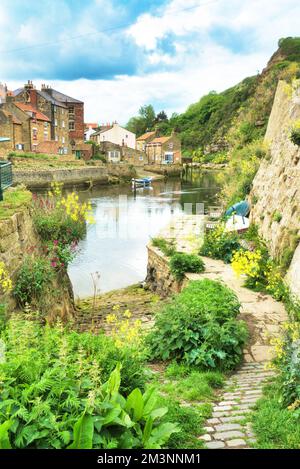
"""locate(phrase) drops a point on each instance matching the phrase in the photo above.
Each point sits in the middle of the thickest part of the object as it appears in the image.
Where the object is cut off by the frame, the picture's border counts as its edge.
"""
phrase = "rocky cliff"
(276, 186)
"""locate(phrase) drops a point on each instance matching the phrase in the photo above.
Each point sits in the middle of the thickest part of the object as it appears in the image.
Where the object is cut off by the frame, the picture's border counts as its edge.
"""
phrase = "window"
(63, 124)
(71, 125)
(171, 146)
(113, 155)
(168, 157)
(55, 122)
(34, 133)
(141, 158)
(71, 111)
(54, 108)
(65, 150)
(46, 125)
(62, 139)
(45, 136)
(56, 138)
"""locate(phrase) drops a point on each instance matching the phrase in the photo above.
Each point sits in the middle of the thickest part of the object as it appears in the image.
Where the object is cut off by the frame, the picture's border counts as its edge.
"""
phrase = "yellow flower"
(127, 313)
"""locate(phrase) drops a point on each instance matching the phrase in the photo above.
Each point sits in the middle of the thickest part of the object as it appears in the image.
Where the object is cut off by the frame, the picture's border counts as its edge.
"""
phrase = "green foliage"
(55, 225)
(99, 157)
(33, 279)
(237, 178)
(199, 327)
(143, 122)
(295, 136)
(165, 246)
(180, 263)
(274, 425)
(63, 389)
(220, 244)
(15, 199)
(277, 216)
(290, 47)
(215, 158)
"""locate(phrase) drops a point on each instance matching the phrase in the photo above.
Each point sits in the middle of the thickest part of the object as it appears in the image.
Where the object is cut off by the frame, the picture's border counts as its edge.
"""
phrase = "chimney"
(33, 97)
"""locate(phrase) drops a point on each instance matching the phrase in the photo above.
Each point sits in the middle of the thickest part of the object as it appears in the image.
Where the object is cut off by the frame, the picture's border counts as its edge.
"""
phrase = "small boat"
(240, 208)
(237, 223)
(142, 182)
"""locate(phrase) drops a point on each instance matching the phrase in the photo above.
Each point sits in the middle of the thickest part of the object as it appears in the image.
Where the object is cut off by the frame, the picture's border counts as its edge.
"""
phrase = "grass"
(35, 156)
(15, 199)
(274, 425)
(165, 246)
(188, 393)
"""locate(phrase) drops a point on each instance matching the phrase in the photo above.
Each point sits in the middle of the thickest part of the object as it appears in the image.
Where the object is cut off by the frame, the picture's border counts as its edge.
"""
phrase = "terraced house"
(66, 115)
(164, 150)
(24, 126)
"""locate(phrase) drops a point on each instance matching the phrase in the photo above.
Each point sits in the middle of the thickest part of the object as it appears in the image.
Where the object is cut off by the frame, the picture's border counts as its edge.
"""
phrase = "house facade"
(90, 128)
(142, 141)
(75, 109)
(24, 126)
(115, 134)
(164, 150)
(55, 110)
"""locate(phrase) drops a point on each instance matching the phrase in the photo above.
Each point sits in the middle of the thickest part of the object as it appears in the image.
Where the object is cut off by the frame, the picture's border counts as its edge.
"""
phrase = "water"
(115, 246)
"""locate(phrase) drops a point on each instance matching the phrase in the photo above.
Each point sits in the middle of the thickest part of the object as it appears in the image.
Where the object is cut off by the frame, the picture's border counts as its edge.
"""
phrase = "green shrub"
(295, 136)
(199, 327)
(220, 244)
(277, 216)
(62, 389)
(33, 279)
(166, 247)
(55, 225)
(180, 263)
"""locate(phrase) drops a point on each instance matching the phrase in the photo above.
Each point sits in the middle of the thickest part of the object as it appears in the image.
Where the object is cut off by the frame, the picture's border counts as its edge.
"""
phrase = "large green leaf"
(161, 434)
(4, 437)
(83, 433)
(135, 403)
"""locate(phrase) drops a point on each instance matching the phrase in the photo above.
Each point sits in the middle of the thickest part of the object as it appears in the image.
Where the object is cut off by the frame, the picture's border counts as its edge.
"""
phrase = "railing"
(6, 178)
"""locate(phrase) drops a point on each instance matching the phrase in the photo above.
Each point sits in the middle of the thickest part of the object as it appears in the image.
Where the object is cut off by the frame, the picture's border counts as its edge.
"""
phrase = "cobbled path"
(229, 426)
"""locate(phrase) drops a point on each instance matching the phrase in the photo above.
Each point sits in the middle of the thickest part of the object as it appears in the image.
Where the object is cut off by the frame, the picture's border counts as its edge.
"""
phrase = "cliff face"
(276, 187)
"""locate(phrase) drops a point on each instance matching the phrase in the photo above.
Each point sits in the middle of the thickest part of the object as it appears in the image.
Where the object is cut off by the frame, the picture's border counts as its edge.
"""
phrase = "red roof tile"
(146, 136)
(159, 140)
(28, 108)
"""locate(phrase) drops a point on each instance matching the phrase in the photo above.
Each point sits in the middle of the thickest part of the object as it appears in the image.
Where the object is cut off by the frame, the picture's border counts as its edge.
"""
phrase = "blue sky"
(118, 55)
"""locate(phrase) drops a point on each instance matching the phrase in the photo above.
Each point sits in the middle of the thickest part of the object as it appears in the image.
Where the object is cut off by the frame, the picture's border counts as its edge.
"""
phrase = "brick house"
(24, 126)
(164, 150)
(75, 108)
(55, 110)
(142, 141)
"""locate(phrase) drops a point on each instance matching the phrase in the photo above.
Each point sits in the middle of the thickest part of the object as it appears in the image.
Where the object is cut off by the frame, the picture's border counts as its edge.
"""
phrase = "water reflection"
(115, 245)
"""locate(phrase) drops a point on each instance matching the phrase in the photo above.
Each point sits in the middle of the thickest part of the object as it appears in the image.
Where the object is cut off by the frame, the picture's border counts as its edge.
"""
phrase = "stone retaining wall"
(159, 278)
(93, 175)
(17, 238)
(167, 170)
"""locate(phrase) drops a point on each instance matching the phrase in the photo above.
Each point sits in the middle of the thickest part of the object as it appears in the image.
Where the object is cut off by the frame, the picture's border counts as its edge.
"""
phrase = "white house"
(89, 130)
(115, 134)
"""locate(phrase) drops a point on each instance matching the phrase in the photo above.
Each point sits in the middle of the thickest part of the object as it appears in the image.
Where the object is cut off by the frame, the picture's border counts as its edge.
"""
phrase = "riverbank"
(84, 176)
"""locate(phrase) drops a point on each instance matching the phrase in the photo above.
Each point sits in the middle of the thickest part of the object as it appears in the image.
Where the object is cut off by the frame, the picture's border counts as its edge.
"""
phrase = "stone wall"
(159, 278)
(167, 170)
(276, 187)
(17, 238)
(88, 175)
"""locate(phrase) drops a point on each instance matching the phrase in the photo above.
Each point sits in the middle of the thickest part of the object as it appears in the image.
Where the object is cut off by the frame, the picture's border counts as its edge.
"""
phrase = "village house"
(75, 108)
(164, 150)
(90, 128)
(142, 141)
(26, 127)
(55, 110)
(116, 134)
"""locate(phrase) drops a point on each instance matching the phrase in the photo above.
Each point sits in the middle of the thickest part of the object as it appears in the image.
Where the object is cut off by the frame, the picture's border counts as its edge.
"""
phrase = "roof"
(61, 97)
(160, 140)
(9, 114)
(102, 129)
(146, 136)
(44, 95)
(93, 125)
(28, 108)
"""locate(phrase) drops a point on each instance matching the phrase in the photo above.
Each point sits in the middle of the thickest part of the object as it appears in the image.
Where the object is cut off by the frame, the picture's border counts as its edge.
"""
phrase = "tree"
(143, 122)
(147, 113)
(161, 117)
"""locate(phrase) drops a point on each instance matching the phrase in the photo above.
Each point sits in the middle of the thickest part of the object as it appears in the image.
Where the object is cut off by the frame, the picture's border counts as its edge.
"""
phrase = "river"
(114, 252)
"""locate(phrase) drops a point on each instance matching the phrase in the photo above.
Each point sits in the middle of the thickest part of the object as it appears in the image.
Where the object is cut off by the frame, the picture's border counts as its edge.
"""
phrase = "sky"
(119, 55)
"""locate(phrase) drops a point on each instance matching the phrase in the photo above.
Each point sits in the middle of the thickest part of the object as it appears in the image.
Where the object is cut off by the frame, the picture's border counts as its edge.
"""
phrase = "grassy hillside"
(241, 113)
